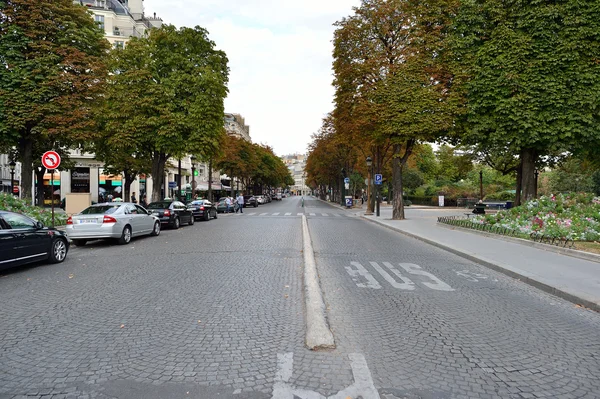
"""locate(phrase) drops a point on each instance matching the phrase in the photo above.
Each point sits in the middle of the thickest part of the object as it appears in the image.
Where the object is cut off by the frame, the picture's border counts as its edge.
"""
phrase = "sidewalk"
(573, 279)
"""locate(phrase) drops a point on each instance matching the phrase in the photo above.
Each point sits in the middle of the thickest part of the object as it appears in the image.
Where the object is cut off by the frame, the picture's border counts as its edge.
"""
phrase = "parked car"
(250, 200)
(24, 240)
(261, 199)
(117, 220)
(222, 206)
(278, 196)
(267, 197)
(172, 213)
(203, 209)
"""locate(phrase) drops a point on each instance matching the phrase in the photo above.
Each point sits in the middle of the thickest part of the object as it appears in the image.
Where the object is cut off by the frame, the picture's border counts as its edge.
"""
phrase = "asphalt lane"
(217, 310)
(432, 324)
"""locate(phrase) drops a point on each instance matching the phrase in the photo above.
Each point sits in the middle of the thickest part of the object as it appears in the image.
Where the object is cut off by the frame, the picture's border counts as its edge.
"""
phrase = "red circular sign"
(51, 160)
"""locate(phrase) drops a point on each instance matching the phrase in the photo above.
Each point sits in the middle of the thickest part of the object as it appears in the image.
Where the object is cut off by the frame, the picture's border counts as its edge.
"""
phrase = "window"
(140, 210)
(17, 221)
(99, 20)
(119, 44)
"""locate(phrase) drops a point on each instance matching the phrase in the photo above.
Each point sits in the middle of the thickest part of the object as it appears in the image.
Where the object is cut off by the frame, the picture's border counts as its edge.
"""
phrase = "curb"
(550, 248)
(318, 334)
(499, 267)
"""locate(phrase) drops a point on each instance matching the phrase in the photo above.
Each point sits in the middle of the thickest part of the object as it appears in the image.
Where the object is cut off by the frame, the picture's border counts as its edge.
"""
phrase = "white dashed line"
(263, 214)
(275, 214)
(324, 214)
(288, 214)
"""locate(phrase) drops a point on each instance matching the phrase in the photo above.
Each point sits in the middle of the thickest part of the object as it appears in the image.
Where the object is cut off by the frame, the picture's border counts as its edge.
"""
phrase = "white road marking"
(416, 270)
(300, 214)
(324, 214)
(288, 214)
(471, 276)
(276, 214)
(361, 271)
(263, 214)
(252, 214)
(362, 387)
(312, 214)
(407, 283)
(337, 214)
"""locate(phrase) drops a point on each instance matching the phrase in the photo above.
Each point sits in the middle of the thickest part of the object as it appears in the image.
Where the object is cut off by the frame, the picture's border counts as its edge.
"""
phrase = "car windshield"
(100, 210)
(159, 205)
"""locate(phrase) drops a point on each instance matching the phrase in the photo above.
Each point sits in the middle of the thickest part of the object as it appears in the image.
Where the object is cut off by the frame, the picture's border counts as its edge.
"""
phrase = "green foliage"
(529, 73)
(165, 97)
(500, 196)
(51, 72)
(13, 204)
(573, 175)
(412, 179)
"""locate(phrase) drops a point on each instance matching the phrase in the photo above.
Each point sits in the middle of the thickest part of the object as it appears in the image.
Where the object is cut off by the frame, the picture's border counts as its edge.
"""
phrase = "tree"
(391, 78)
(530, 75)
(165, 97)
(51, 72)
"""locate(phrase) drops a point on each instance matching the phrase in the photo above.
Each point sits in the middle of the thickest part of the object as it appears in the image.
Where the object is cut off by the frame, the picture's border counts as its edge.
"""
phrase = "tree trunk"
(528, 158)
(26, 156)
(518, 188)
(210, 179)
(129, 179)
(39, 176)
(159, 161)
(398, 203)
(398, 165)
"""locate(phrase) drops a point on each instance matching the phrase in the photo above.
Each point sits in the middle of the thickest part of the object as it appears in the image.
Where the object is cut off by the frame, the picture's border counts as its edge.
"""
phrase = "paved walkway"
(573, 279)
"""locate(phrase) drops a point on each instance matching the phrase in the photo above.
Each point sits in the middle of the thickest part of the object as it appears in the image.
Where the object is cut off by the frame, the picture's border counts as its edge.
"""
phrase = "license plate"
(87, 221)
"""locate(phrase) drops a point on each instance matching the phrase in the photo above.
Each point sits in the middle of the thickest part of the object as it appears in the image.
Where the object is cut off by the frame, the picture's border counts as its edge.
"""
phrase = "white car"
(118, 220)
(261, 199)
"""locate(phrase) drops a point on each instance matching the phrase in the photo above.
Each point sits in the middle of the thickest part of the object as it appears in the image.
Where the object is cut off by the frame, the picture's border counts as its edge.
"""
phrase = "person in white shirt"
(240, 201)
(228, 203)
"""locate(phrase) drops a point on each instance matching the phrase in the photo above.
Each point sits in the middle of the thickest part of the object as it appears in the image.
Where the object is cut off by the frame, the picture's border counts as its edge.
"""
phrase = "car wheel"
(125, 236)
(215, 216)
(156, 229)
(176, 223)
(58, 251)
(255, 204)
(80, 243)
(192, 220)
(206, 216)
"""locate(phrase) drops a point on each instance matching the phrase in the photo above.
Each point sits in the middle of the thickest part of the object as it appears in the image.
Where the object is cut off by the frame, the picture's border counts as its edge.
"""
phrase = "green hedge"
(11, 203)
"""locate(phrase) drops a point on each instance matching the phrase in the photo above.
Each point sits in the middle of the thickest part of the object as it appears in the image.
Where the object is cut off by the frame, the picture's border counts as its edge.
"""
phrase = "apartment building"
(296, 164)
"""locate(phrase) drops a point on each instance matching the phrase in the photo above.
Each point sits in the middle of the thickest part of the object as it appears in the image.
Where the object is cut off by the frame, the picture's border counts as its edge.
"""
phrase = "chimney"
(154, 15)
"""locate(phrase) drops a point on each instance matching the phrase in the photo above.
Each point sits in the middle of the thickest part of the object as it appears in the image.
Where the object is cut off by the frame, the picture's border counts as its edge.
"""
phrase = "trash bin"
(509, 204)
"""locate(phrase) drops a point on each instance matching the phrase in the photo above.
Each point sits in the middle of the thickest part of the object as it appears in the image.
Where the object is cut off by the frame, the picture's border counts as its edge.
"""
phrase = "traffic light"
(195, 173)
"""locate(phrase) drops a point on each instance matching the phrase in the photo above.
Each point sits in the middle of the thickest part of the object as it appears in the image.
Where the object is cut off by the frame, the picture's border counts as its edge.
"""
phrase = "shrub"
(13, 204)
(500, 196)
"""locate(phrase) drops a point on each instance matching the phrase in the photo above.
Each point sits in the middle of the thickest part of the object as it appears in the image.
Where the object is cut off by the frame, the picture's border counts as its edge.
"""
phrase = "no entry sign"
(51, 160)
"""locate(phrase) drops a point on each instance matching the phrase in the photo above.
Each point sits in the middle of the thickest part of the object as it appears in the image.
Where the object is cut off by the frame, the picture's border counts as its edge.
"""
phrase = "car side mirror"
(39, 225)
(149, 212)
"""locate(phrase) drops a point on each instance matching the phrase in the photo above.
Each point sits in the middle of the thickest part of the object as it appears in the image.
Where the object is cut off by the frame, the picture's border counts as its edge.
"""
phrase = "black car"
(203, 209)
(172, 213)
(250, 200)
(24, 240)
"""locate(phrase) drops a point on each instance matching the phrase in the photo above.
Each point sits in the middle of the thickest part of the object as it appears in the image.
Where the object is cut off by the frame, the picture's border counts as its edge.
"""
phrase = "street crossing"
(289, 214)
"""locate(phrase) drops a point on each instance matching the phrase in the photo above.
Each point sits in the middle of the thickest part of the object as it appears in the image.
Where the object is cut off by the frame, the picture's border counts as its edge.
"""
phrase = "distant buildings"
(296, 164)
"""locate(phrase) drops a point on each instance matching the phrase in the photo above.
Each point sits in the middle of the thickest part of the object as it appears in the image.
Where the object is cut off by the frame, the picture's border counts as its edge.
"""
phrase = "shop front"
(110, 186)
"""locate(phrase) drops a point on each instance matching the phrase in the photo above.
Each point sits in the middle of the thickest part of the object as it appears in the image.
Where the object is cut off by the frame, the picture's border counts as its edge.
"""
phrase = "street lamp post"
(481, 185)
(193, 160)
(369, 165)
(12, 166)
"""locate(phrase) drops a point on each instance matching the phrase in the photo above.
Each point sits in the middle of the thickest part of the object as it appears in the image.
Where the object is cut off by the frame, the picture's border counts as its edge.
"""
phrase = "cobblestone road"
(216, 310)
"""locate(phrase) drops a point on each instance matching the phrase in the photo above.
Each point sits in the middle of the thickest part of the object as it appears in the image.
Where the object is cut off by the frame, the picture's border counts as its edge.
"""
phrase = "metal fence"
(466, 222)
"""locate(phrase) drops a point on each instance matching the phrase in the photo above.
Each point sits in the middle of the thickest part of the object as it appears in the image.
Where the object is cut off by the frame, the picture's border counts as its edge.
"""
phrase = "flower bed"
(565, 216)
(11, 203)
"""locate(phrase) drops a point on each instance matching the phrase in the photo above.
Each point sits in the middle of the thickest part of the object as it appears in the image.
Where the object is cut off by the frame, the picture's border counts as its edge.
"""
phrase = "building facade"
(296, 164)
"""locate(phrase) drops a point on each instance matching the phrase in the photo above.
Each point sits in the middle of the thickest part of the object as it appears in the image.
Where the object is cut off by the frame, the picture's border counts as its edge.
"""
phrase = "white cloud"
(280, 59)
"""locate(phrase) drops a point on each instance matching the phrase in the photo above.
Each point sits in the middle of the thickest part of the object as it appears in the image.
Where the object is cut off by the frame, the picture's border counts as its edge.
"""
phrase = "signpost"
(378, 182)
(378, 179)
(51, 161)
(346, 180)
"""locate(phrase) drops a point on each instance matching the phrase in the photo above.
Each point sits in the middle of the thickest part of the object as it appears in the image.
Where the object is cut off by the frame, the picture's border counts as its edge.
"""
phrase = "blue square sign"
(378, 178)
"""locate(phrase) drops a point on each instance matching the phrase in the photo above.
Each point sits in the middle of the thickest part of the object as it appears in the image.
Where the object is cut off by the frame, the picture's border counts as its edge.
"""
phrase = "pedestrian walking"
(240, 201)
(143, 201)
(227, 204)
(133, 199)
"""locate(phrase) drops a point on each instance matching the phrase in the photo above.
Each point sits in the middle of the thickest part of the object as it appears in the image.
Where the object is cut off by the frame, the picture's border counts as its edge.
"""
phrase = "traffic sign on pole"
(51, 160)
(378, 178)
(346, 180)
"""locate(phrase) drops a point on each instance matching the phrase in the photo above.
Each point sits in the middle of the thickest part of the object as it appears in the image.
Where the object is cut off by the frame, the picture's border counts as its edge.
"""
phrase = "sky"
(280, 60)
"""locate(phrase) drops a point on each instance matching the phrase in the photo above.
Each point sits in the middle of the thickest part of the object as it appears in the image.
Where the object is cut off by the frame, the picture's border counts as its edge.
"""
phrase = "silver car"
(118, 220)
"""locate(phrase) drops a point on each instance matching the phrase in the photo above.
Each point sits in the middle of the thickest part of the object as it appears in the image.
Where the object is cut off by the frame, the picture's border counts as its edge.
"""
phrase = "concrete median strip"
(318, 334)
